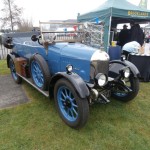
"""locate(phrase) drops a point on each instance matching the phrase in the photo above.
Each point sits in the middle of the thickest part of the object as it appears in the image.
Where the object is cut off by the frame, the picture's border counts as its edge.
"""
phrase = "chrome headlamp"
(125, 72)
(101, 79)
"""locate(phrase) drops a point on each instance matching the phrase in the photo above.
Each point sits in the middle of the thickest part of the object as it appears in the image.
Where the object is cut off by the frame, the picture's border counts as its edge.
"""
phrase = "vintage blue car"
(61, 65)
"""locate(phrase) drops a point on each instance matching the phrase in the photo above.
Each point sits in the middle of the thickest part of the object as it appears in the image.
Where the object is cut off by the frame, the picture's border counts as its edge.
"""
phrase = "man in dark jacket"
(124, 36)
(137, 34)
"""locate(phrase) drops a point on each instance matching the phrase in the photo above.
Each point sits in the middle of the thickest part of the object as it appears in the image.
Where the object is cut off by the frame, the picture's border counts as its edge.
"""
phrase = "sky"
(45, 10)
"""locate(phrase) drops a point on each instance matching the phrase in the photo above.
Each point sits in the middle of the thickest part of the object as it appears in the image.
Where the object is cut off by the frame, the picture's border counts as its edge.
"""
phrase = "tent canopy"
(113, 12)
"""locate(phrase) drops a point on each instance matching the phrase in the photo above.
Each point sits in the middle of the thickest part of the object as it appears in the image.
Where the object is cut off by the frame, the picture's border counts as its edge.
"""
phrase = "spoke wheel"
(121, 93)
(39, 72)
(67, 103)
(16, 78)
(72, 109)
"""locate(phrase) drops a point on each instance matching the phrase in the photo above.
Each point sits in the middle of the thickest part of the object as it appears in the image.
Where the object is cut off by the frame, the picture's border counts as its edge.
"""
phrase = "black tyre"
(39, 72)
(16, 78)
(72, 109)
(121, 94)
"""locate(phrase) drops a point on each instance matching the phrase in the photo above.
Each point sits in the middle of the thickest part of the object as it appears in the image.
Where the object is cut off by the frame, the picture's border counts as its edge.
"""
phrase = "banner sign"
(137, 13)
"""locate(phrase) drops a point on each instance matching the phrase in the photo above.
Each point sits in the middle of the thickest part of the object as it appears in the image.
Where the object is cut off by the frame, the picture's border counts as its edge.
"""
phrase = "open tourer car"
(59, 64)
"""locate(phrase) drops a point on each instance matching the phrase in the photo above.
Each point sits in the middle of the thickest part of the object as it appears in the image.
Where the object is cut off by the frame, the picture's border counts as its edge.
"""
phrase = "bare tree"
(11, 14)
(25, 25)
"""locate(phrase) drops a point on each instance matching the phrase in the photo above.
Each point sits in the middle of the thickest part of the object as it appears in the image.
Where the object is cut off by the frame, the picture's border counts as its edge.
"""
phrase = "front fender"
(133, 68)
(76, 81)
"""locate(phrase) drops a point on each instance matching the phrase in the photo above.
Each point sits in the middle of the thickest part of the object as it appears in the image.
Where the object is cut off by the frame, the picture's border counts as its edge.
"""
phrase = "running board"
(29, 80)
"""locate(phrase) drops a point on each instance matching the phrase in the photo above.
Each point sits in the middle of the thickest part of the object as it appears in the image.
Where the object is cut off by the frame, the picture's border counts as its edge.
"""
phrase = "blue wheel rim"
(13, 70)
(120, 94)
(67, 104)
(37, 74)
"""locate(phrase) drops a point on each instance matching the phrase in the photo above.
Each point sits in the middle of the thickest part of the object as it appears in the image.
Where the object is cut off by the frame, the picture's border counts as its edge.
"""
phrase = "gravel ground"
(11, 94)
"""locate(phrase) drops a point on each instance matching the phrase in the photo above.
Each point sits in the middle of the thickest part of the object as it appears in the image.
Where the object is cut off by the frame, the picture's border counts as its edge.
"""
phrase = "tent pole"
(109, 32)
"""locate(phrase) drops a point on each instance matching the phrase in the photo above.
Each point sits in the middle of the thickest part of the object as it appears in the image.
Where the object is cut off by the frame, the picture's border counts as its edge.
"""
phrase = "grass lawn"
(3, 67)
(37, 126)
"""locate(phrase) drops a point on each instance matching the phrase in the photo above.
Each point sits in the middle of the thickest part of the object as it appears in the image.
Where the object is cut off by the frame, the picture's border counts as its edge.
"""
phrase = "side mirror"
(34, 38)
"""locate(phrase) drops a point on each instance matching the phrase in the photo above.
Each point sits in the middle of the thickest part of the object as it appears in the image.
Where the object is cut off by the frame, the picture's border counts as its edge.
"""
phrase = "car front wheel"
(122, 94)
(72, 109)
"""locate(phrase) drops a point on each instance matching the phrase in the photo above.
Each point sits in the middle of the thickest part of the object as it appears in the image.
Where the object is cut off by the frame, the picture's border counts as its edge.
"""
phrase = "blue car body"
(58, 55)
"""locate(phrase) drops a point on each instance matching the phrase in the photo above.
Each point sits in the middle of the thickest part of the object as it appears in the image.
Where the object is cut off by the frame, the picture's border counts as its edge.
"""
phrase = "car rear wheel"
(16, 78)
(72, 109)
(39, 72)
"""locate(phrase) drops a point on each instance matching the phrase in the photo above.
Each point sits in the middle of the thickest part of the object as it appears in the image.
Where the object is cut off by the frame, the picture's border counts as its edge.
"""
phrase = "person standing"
(124, 36)
(137, 34)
